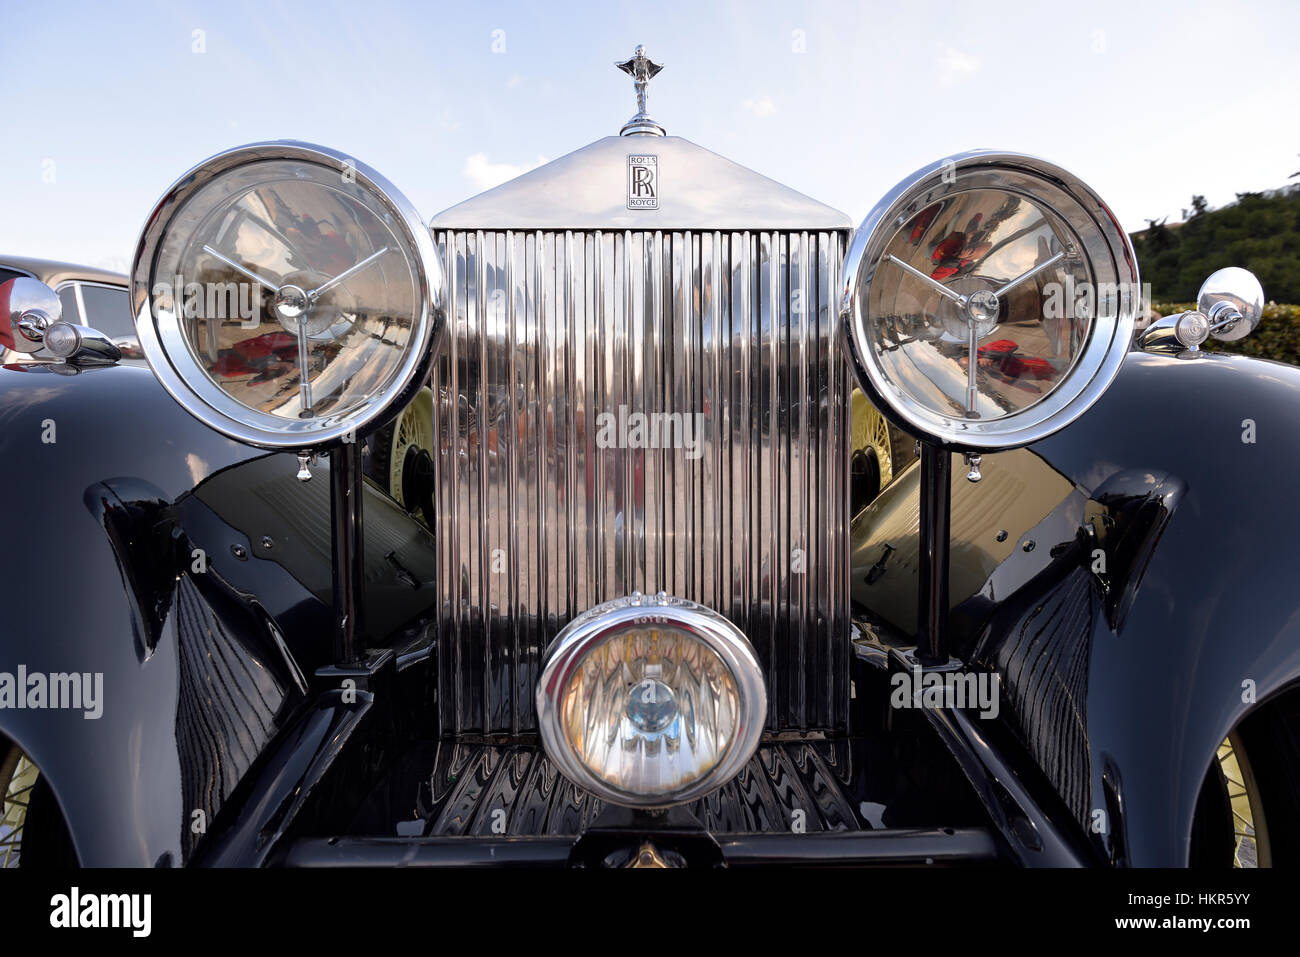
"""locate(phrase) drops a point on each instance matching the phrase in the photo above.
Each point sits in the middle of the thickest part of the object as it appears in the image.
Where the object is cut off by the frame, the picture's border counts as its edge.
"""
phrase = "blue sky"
(104, 109)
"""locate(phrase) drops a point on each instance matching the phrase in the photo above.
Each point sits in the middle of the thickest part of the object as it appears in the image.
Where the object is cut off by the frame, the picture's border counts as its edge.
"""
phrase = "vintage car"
(565, 529)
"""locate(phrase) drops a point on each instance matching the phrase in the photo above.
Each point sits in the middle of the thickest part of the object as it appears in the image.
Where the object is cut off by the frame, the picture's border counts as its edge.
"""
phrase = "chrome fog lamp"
(1228, 308)
(287, 295)
(1192, 329)
(651, 701)
(80, 345)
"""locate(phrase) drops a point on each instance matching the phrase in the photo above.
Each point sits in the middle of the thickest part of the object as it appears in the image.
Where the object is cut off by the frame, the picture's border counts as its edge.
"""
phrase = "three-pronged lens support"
(988, 301)
(287, 295)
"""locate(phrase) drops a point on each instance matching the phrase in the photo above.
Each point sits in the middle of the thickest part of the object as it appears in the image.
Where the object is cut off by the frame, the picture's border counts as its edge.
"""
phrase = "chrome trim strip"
(81, 303)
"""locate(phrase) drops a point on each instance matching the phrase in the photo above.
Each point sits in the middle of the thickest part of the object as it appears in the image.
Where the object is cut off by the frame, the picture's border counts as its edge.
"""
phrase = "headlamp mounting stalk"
(981, 244)
(289, 297)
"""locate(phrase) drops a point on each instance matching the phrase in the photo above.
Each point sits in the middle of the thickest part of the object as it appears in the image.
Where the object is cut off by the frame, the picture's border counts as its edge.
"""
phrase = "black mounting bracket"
(935, 529)
(347, 544)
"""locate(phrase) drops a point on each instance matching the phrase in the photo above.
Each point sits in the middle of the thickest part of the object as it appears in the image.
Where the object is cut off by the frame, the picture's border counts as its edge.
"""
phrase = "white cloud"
(485, 174)
(762, 107)
(514, 81)
(955, 66)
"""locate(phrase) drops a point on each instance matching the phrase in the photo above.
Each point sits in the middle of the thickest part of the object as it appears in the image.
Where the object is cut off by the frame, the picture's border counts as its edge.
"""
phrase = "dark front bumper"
(897, 847)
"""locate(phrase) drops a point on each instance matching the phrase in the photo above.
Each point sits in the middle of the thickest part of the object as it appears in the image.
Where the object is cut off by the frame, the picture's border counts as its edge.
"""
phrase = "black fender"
(146, 548)
(1210, 624)
(1122, 676)
(65, 607)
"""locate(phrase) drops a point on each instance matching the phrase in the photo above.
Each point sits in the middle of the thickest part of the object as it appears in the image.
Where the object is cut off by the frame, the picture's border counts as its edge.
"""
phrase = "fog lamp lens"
(62, 339)
(1192, 329)
(651, 701)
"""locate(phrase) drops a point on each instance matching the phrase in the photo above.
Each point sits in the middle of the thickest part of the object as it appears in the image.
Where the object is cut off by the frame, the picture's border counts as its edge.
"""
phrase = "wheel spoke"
(1250, 834)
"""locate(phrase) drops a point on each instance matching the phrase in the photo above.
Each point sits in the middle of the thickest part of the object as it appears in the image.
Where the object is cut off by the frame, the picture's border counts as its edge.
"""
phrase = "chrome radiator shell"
(536, 521)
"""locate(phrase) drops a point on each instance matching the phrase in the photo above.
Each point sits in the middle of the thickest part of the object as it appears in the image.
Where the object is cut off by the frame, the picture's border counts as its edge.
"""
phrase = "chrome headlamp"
(989, 301)
(287, 295)
(650, 702)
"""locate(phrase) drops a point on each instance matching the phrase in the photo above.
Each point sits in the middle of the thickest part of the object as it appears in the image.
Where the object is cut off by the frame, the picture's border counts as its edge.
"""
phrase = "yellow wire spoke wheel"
(871, 431)
(413, 430)
(17, 778)
(1250, 831)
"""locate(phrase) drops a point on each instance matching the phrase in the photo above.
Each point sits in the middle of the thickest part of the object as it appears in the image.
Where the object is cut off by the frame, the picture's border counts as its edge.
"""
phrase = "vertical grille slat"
(538, 518)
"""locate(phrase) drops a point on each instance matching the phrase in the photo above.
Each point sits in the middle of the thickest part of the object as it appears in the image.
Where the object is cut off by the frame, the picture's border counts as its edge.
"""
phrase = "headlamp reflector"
(650, 702)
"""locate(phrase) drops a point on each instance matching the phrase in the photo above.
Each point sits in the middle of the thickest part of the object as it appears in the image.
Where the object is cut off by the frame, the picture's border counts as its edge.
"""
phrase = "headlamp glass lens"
(291, 287)
(650, 710)
(1026, 334)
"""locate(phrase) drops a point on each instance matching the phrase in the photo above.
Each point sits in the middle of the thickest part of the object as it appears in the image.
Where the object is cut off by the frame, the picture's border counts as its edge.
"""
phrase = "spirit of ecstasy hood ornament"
(642, 70)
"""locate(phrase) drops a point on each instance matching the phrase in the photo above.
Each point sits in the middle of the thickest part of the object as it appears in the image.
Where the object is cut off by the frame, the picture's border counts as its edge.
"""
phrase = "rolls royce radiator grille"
(640, 411)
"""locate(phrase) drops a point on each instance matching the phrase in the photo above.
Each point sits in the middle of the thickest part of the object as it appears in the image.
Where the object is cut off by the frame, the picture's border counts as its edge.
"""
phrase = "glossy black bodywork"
(1121, 677)
(1188, 461)
(226, 736)
(190, 571)
(69, 606)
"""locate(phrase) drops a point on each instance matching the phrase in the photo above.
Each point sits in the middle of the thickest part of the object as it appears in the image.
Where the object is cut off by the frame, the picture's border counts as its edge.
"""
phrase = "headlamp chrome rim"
(1106, 244)
(604, 621)
(179, 374)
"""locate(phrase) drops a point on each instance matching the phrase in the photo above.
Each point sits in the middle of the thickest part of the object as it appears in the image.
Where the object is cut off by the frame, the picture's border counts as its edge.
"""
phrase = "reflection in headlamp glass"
(650, 711)
(294, 291)
(976, 243)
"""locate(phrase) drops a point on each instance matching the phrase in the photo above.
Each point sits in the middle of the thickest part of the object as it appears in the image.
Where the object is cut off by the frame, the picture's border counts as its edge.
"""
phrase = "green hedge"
(1276, 337)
